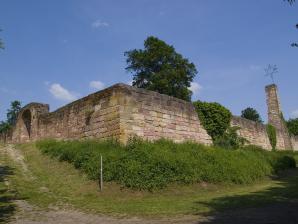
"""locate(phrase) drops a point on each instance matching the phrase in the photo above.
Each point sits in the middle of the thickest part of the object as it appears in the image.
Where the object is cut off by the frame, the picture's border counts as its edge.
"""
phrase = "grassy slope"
(7, 195)
(56, 183)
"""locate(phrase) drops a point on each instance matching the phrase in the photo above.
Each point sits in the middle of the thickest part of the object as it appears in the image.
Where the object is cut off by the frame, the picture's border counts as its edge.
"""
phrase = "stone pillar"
(275, 116)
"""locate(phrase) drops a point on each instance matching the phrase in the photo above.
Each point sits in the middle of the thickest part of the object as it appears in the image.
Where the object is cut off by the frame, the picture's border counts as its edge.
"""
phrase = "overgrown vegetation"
(150, 166)
(292, 125)
(271, 131)
(230, 139)
(216, 120)
(214, 117)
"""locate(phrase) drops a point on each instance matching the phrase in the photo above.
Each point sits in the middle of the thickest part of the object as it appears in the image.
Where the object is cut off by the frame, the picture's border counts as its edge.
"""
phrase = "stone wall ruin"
(122, 111)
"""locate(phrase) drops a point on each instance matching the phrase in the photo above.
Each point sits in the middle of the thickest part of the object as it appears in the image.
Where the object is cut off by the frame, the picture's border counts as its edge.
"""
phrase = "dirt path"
(31, 215)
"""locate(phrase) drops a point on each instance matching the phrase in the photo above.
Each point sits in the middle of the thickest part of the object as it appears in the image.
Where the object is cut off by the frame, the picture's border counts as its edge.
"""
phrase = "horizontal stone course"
(120, 111)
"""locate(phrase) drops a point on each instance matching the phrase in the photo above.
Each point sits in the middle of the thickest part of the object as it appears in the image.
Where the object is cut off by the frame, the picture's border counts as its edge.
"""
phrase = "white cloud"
(294, 114)
(60, 93)
(99, 23)
(97, 85)
(195, 88)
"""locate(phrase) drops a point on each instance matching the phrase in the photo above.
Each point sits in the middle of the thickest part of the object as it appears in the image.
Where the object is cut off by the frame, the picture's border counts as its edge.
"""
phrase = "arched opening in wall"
(26, 116)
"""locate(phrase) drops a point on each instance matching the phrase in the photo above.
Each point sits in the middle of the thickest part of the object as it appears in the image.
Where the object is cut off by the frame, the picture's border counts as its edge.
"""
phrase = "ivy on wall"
(271, 131)
(214, 117)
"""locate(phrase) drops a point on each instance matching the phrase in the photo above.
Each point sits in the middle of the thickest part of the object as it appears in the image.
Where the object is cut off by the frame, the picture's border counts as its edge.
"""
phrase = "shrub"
(149, 166)
(214, 117)
(230, 139)
(271, 131)
(292, 125)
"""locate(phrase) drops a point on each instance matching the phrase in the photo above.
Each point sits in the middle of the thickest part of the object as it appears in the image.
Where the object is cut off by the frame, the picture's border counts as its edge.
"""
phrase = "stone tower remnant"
(275, 117)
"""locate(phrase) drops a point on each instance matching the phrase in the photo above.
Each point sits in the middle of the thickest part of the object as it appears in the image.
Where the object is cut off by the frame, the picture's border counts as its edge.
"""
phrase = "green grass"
(151, 166)
(7, 207)
(69, 187)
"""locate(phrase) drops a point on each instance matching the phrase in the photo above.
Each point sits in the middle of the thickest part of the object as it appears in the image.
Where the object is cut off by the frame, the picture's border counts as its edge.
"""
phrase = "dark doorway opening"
(27, 121)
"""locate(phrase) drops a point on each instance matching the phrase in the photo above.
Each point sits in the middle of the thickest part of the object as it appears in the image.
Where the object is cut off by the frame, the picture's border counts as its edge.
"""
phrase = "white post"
(101, 177)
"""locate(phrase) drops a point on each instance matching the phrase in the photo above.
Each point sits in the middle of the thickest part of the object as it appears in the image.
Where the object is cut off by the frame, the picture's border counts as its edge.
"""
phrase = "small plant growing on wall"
(271, 131)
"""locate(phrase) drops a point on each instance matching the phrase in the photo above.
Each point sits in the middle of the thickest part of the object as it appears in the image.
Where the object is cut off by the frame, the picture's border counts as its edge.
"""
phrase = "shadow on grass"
(278, 204)
(7, 207)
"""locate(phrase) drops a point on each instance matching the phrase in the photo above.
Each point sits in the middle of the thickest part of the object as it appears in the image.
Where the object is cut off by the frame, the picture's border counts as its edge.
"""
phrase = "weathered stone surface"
(275, 118)
(294, 140)
(253, 132)
(122, 111)
(119, 112)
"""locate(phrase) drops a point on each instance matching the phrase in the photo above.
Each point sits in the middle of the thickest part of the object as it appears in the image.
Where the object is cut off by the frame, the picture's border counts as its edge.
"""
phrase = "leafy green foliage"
(271, 131)
(230, 139)
(149, 166)
(251, 114)
(4, 127)
(292, 125)
(160, 68)
(214, 117)
(12, 113)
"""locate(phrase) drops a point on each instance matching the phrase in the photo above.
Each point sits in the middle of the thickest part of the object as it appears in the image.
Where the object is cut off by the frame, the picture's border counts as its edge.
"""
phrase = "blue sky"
(60, 50)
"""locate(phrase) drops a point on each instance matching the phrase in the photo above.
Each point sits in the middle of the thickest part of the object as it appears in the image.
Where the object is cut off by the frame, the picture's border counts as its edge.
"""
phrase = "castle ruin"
(122, 111)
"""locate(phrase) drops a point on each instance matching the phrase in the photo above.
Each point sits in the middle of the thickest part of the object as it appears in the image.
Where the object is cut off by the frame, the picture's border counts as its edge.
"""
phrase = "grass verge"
(55, 183)
(143, 165)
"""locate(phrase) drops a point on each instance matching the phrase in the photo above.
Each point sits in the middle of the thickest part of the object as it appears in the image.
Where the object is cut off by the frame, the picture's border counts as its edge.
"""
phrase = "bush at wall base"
(143, 165)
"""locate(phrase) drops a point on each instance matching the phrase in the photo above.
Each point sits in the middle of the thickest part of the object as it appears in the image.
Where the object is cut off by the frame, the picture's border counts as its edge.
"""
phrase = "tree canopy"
(12, 113)
(160, 68)
(251, 114)
(11, 116)
(292, 125)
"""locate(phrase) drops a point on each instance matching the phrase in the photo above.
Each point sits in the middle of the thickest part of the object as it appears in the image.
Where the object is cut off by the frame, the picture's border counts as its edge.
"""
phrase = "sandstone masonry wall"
(294, 140)
(252, 131)
(275, 118)
(120, 112)
(151, 115)
(256, 133)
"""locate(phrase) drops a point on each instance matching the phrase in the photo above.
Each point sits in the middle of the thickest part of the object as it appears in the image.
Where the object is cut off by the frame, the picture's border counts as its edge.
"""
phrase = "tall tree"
(160, 68)
(12, 113)
(251, 114)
